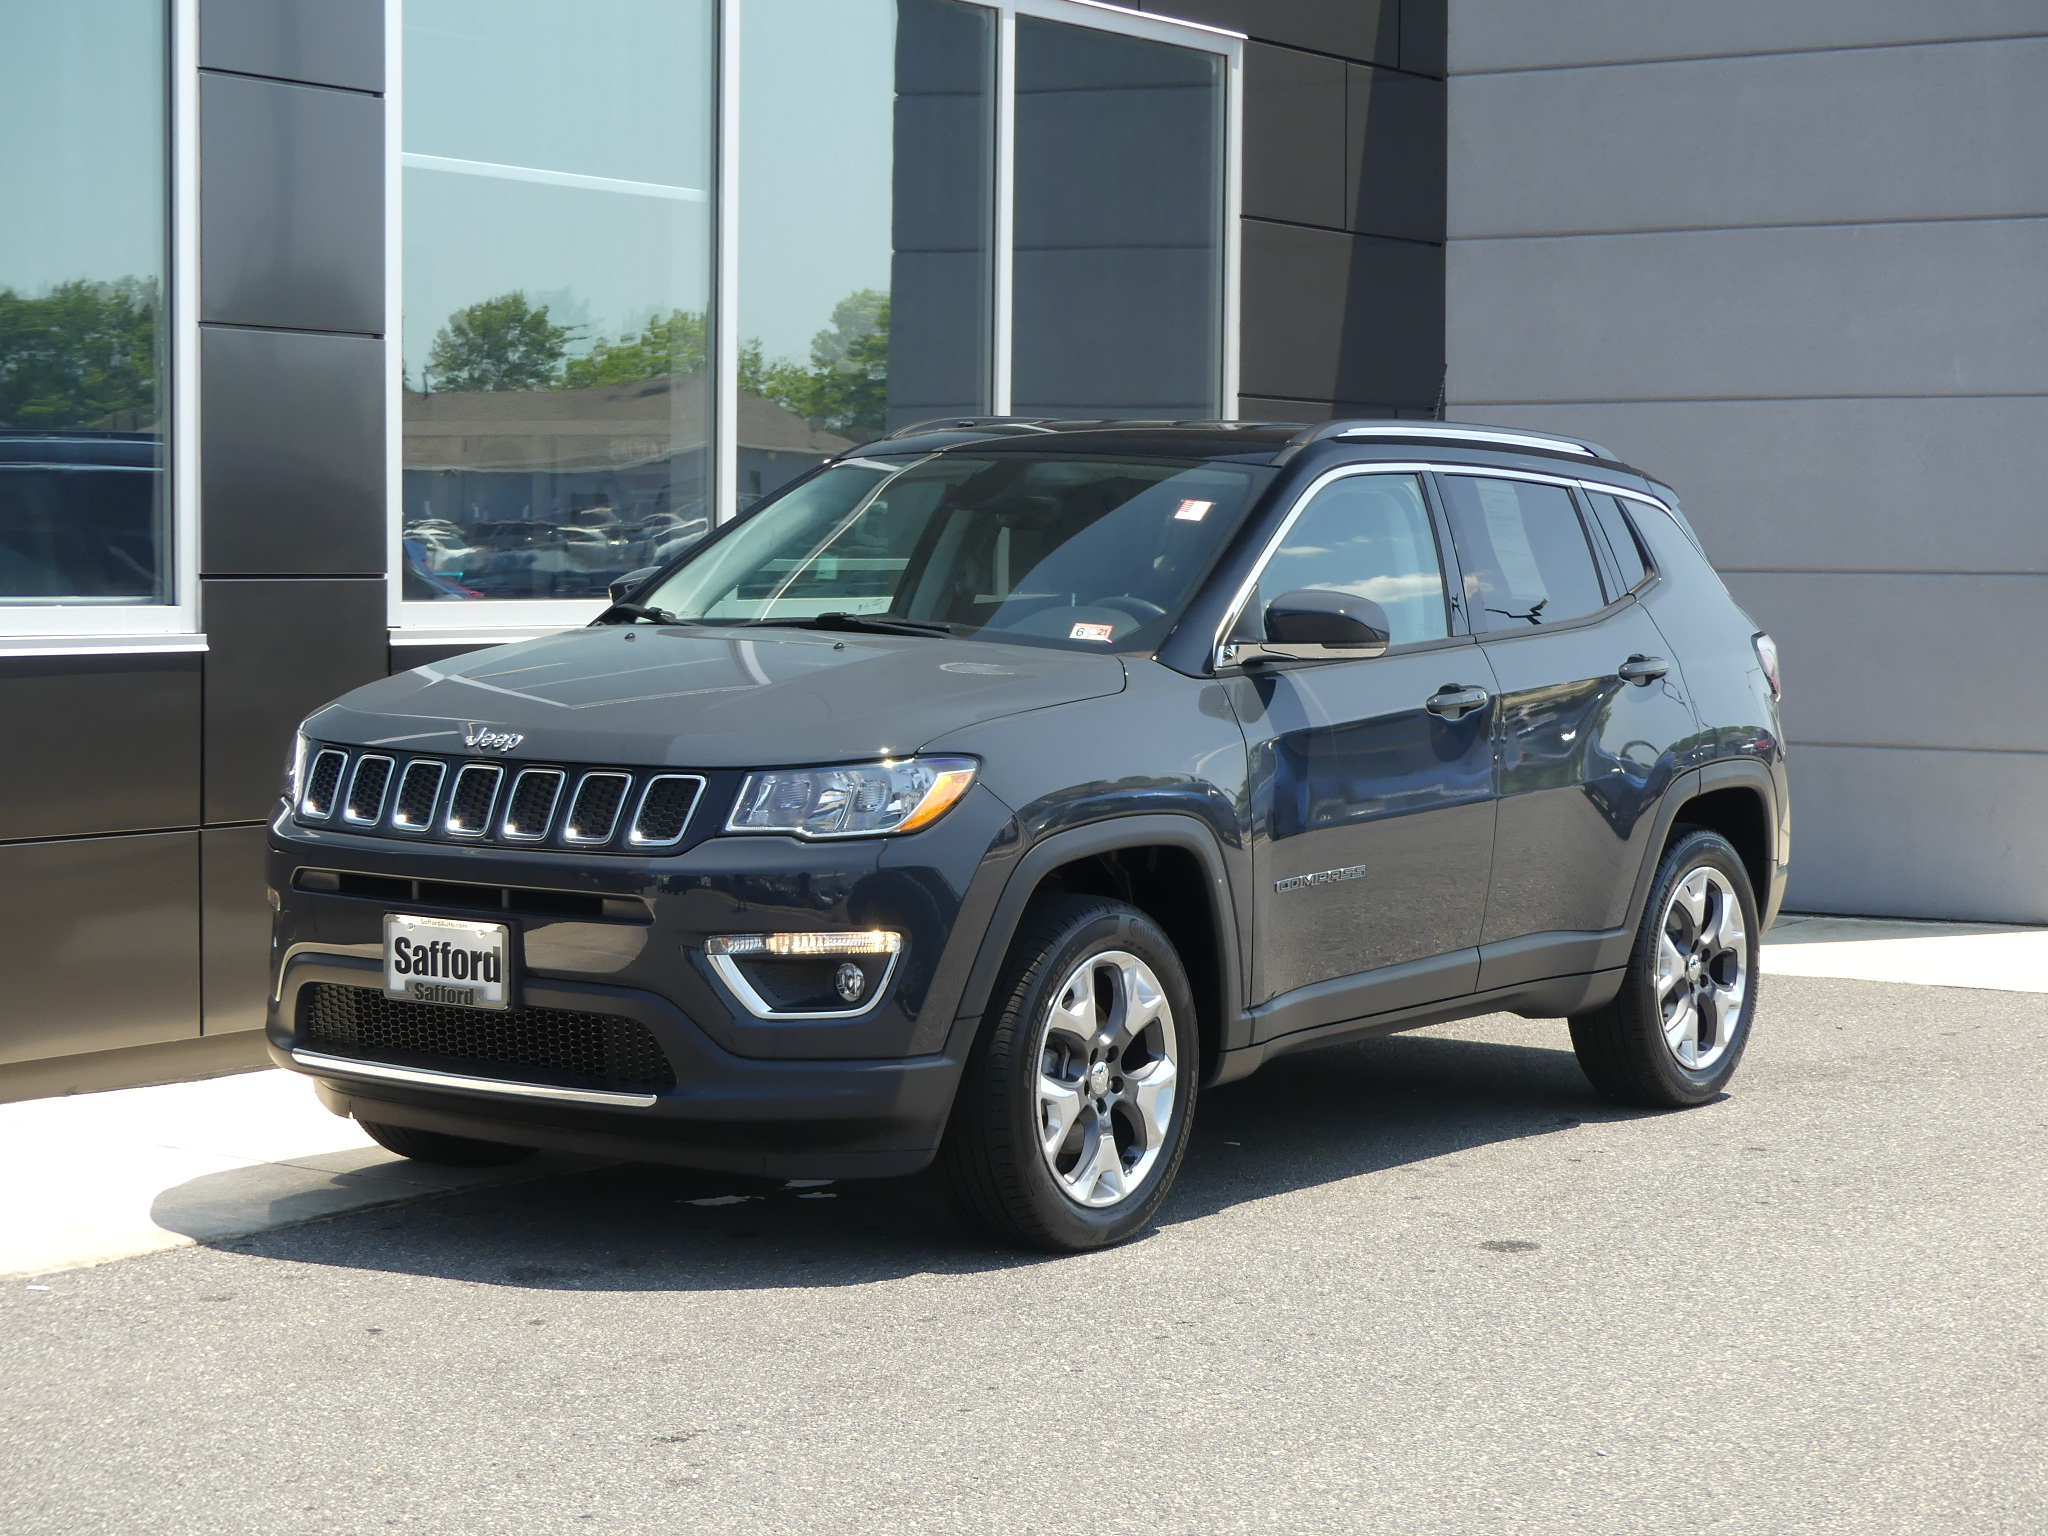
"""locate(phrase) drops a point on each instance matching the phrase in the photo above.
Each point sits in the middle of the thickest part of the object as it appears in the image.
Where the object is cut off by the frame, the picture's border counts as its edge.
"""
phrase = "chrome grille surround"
(431, 798)
(594, 813)
(323, 784)
(472, 800)
(530, 808)
(367, 788)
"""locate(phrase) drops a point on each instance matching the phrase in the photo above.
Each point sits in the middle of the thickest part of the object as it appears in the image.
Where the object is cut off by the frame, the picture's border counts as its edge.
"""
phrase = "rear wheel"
(1675, 1032)
(440, 1147)
(1074, 1110)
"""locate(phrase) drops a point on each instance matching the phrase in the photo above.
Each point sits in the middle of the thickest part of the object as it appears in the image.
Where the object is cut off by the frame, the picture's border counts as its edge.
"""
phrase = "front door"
(1372, 810)
(1593, 724)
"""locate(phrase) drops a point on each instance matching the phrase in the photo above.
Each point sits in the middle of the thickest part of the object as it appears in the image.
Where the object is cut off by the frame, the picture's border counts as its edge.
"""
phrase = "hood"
(713, 698)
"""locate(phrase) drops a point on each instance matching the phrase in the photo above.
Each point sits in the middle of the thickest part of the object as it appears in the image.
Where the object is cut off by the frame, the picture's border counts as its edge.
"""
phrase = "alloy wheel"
(1702, 969)
(1108, 1072)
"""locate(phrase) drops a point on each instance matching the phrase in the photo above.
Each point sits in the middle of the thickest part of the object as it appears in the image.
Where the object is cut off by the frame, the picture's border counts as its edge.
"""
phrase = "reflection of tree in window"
(82, 355)
(508, 343)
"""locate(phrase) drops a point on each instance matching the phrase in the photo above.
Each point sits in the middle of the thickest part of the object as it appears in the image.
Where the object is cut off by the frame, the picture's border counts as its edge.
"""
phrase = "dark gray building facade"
(339, 336)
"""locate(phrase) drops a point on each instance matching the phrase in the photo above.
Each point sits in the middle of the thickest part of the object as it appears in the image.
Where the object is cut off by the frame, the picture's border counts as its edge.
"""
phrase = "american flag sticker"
(1091, 632)
(1193, 511)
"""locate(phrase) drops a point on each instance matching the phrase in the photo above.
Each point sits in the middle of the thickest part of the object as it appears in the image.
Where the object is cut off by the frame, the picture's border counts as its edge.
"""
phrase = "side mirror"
(1315, 625)
(629, 583)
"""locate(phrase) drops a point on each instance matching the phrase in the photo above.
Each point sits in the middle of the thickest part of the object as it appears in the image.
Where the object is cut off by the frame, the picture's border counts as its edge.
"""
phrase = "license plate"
(441, 960)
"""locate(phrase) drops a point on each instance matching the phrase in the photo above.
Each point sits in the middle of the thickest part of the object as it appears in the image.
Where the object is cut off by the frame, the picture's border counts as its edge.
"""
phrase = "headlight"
(295, 769)
(858, 799)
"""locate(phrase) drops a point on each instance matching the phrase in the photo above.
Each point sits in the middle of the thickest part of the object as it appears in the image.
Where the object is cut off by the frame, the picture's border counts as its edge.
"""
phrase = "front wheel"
(1074, 1110)
(1675, 1031)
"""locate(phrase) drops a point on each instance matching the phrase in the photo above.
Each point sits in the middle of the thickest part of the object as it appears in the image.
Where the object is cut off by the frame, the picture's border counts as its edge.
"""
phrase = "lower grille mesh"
(538, 1045)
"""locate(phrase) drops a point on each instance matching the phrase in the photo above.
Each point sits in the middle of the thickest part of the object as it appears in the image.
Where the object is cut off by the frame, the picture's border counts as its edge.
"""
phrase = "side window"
(1368, 535)
(1621, 539)
(1524, 552)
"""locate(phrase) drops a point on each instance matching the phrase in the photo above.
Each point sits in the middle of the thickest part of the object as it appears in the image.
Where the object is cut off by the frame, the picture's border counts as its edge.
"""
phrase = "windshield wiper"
(634, 613)
(859, 624)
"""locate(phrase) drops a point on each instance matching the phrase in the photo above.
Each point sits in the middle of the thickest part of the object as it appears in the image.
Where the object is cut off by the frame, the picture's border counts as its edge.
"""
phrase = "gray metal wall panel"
(1833, 485)
(1897, 833)
(1366, 30)
(1891, 309)
(1901, 660)
(405, 657)
(234, 930)
(279, 650)
(291, 453)
(1331, 316)
(1294, 144)
(291, 206)
(324, 42)
(1394, 149)
(99, 744)
(1425, 36)
(1513, 34)
(99, 942)
(1806, 138)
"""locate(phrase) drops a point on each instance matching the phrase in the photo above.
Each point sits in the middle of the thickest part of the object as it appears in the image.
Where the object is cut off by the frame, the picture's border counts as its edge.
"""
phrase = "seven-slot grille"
(463, 800)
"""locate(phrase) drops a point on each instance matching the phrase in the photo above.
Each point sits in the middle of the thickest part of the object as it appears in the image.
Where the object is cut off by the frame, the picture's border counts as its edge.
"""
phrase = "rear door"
(1593, 723)
(1373, 813)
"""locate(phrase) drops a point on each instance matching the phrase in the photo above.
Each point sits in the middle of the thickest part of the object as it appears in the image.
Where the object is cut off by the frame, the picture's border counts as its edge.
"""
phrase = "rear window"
(1621, 539)
(1524, 553)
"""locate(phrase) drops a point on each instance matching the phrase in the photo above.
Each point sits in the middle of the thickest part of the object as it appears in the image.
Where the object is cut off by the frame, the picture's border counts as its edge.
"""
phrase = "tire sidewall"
(1694, 851)
(1110, 928)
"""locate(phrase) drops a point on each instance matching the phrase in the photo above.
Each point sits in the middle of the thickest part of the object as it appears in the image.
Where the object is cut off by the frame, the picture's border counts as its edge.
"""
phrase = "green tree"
(82, 355)
(500, 343)
(673, 345)
(846, 387)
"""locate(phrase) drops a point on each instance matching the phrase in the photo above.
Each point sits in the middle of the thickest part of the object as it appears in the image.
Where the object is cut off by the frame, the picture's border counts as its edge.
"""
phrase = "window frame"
(97, 629)
(494, 620)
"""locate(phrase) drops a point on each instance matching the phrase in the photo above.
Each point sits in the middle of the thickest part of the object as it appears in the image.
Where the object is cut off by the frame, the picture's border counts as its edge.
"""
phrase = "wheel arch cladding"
(1739, 813)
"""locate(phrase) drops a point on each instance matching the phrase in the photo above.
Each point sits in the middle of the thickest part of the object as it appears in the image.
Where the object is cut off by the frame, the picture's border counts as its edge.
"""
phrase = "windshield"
(1083, 553)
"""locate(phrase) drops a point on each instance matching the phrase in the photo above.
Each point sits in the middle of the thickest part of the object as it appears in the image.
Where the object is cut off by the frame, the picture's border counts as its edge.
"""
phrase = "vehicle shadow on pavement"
(1301, 1122)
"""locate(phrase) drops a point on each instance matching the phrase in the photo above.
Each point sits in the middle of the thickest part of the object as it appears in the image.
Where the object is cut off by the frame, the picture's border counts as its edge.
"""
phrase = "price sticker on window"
(1192, 511)
(1092, 632)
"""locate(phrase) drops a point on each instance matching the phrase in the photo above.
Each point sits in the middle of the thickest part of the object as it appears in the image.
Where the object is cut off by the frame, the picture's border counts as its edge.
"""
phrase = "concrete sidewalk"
(104, 1176)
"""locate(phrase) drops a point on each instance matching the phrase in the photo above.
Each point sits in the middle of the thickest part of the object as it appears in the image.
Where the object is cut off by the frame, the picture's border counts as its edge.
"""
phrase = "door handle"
(1454, 701)
(1643, 670)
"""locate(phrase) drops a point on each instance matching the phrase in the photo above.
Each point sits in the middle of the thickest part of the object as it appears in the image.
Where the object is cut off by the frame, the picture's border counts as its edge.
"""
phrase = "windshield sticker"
(1091, 632)
(1193, 511)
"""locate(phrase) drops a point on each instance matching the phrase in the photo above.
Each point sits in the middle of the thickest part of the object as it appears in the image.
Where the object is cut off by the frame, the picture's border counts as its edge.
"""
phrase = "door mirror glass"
(624, 587)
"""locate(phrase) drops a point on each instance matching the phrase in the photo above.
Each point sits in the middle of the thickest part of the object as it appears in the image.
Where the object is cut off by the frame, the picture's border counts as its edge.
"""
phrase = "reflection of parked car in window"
(442, 546)
(991, 792)
(78, 514)
(423, 583)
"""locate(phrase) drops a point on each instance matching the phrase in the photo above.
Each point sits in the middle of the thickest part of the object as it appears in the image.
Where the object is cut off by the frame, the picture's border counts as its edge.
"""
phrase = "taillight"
(1767, 657)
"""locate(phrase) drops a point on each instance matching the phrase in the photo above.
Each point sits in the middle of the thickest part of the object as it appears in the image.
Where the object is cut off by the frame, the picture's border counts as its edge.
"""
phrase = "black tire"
(1622, 1048)
(440, 1147)
(991, 1159)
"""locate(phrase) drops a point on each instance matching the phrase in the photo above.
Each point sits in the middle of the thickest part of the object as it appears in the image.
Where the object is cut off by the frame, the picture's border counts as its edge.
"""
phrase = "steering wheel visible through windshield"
(1079, 552)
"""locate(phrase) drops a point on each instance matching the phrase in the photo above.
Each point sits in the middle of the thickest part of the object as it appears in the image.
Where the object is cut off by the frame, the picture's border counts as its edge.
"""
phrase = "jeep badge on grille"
(480, 737)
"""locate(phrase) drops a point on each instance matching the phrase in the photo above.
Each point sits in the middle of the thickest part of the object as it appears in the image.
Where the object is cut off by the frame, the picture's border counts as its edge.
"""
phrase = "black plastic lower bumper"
(787, 1119)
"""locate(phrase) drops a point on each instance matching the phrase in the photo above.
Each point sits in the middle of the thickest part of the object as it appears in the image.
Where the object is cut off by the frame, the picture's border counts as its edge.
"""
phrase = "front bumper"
(788, 1119)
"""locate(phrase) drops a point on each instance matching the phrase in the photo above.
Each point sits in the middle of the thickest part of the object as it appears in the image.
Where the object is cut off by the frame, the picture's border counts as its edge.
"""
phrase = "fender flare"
(1167, 829)
(1724, 773)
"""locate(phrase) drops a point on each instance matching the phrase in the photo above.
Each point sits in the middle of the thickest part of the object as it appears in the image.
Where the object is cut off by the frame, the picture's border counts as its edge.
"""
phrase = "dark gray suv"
(988, 793)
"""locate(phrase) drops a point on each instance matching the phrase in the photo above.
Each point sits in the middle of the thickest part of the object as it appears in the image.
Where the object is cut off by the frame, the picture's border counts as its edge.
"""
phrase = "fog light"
(822, 974)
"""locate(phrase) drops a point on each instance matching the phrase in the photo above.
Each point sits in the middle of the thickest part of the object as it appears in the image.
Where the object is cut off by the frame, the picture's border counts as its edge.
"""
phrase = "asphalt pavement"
(1428, 1284)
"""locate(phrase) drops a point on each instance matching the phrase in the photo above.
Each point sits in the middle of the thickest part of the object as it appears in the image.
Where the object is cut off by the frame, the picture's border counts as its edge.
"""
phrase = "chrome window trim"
(434, 804)
(569, 833)
(306, 810)
(1309, 492)
(729, 973)
(633, 836)
(448, 827)
(343, 1066)
(561, 777)
(348, 814)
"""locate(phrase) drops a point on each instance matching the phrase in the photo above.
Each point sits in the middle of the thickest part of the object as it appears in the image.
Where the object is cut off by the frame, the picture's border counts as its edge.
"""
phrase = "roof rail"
(1456, 431)
(955, 423)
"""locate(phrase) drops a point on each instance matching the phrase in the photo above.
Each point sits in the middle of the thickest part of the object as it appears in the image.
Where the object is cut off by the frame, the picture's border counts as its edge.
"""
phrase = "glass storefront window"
(1118, 264)
(558, 186)
(84, 345)
(866, 174)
